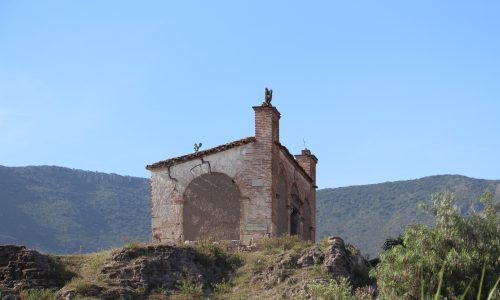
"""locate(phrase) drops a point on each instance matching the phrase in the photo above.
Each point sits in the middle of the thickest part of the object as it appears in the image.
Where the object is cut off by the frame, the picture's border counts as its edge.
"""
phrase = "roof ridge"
(216, 149)
(290, 155)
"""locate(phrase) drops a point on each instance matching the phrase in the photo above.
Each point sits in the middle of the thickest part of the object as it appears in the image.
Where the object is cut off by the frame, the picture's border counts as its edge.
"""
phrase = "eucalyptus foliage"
(459, 245)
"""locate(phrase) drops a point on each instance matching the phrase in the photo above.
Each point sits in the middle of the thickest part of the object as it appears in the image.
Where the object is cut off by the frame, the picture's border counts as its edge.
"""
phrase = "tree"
(462, 245)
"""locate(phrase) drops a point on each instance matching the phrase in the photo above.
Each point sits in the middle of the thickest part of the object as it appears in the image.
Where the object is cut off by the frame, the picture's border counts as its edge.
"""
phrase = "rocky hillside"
(269, 269)
(366, 215)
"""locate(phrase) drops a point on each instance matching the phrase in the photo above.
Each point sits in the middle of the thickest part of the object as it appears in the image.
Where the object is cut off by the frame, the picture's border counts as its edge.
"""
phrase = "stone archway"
(211, 208)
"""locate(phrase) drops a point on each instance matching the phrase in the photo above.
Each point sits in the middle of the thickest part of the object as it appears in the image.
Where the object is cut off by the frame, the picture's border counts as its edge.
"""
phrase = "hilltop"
(272, 268)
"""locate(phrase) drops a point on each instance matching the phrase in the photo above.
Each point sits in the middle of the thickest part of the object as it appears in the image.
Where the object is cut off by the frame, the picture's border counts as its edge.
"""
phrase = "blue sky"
(379, 90)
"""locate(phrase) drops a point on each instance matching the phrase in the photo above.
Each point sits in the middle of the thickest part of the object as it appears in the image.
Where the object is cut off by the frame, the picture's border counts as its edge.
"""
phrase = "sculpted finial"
(268, 97)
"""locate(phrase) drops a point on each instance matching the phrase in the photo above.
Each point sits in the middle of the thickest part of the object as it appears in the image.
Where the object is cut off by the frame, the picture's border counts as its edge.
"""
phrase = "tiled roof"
(292, 158)
(180, 159)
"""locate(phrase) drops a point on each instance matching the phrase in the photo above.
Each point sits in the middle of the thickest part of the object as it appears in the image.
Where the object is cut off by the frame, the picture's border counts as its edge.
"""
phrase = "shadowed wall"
(212, 208)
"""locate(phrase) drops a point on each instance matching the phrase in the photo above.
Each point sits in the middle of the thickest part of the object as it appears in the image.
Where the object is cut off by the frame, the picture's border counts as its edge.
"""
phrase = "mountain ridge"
(366, 215)
(65, 210)
(58, 209)
(413, 179)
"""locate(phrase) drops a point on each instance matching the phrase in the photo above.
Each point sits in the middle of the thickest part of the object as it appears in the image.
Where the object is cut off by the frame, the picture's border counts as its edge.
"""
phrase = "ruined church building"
(246, 189)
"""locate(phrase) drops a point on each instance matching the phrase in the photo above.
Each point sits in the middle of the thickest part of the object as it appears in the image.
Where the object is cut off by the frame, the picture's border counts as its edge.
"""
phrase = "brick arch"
(211, 208)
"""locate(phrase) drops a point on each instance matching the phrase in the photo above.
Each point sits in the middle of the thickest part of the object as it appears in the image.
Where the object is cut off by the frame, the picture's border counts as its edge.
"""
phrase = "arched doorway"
(211, 208)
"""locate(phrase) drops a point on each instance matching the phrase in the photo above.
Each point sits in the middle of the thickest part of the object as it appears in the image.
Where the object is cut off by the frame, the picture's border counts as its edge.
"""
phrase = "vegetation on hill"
(369, 214)
(457, 258)
(272, 268)
(63, 210)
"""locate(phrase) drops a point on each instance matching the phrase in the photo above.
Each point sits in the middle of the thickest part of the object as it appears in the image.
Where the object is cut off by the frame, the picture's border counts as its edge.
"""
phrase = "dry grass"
(242, 285)
(87, 266)
(269, 251)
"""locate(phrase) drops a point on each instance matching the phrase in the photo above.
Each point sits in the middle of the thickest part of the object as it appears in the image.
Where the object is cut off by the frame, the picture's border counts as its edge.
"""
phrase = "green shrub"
(80, 286)
(320, 269)
(459, 245)
(364, 293)
(335, 290)
(190, 289)
(212, 254)
(210, 248)
(352, 250)
(38, 295)
(133, 245)
(331, 290)
(393, 242)
(284, 243)
(225, 286)
(323, 244)
(260, 262)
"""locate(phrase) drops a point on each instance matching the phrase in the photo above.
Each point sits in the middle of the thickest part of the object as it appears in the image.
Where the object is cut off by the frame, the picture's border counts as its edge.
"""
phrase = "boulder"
(337, 260)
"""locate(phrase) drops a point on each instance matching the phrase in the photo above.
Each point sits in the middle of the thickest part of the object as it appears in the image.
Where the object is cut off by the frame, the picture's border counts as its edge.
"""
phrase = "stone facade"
(243, 190)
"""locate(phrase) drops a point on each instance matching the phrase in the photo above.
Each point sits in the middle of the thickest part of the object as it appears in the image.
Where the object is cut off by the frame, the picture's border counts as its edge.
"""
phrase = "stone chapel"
(246, 189)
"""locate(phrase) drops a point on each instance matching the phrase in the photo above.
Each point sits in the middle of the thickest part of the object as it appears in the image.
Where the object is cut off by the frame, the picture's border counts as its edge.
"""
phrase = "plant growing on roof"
(197, 147)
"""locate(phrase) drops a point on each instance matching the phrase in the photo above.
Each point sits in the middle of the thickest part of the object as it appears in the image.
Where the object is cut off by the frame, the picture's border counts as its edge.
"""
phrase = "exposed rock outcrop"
(165, 266)
(337, 260)
(140, 271)
(95, 291)
(341, 262)
(279, 271)
(21, 268)
(311, 256)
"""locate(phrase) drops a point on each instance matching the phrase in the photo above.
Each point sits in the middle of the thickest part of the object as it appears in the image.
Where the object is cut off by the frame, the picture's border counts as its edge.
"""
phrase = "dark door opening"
(294, 222)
